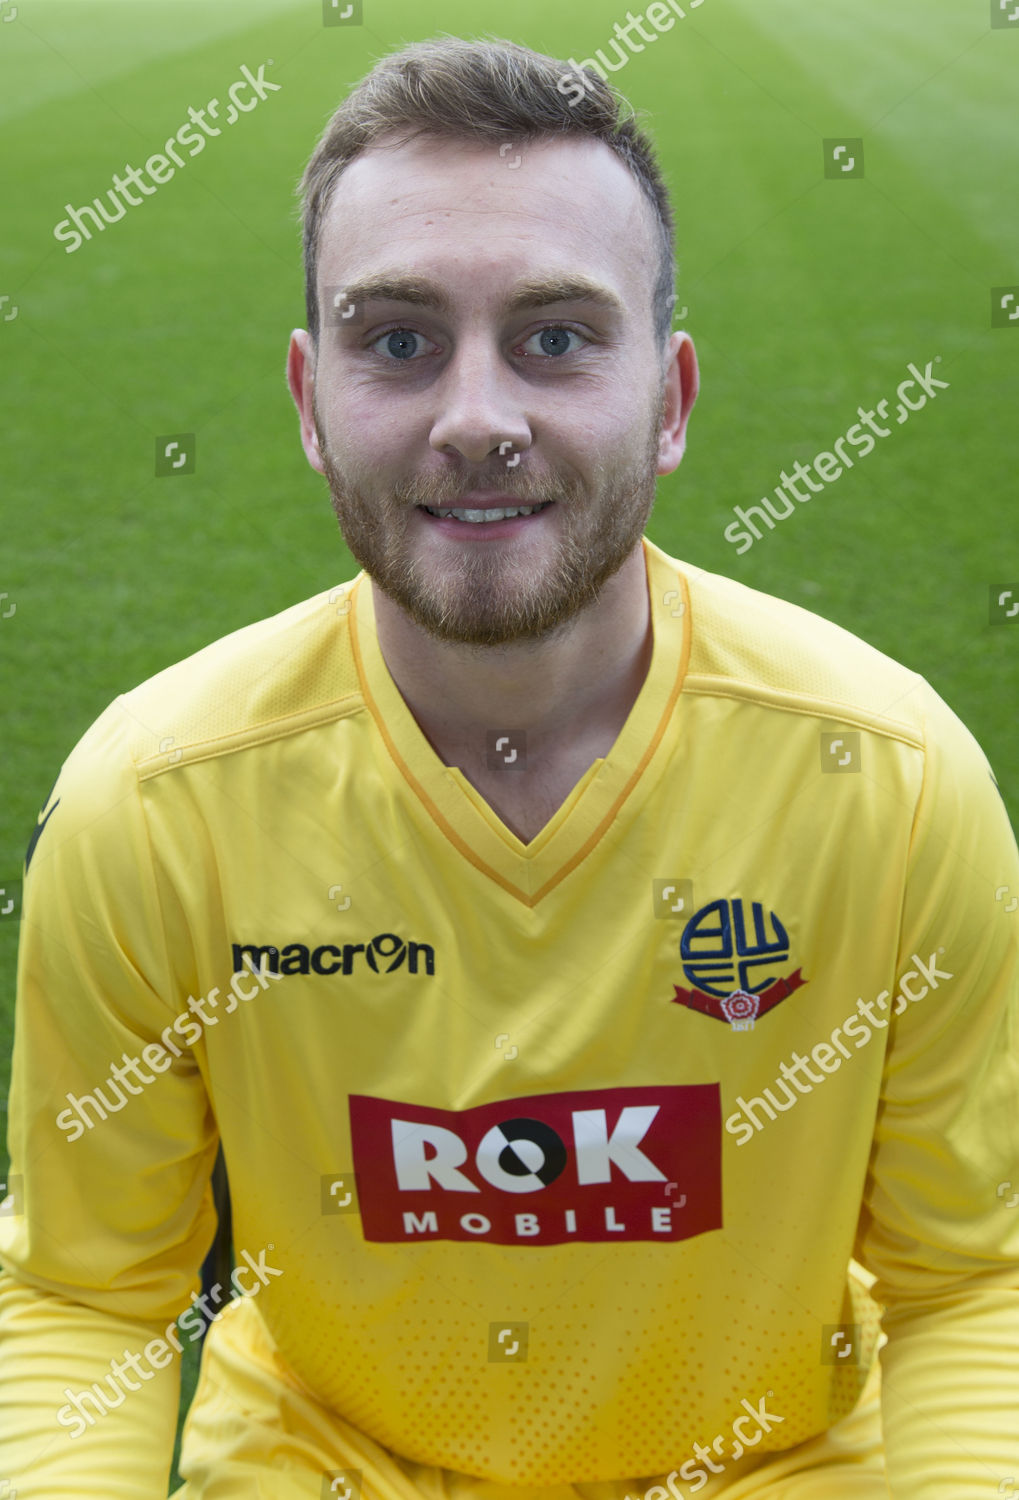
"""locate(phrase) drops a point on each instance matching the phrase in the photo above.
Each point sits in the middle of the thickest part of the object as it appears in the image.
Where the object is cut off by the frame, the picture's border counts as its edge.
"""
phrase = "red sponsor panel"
(637, 1163)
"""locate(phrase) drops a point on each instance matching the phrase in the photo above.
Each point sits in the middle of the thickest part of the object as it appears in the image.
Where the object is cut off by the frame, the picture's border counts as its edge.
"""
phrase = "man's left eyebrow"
(541, 292)
(563, 289)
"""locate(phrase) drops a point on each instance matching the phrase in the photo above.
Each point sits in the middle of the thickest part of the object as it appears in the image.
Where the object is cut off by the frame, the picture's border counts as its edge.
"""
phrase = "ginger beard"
(492, 593)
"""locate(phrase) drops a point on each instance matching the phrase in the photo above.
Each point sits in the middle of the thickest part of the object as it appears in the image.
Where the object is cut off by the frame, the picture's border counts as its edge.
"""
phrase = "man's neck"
(579, 685)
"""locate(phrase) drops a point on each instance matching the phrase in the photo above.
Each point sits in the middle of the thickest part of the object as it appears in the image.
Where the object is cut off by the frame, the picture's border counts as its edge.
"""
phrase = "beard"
(486, 594)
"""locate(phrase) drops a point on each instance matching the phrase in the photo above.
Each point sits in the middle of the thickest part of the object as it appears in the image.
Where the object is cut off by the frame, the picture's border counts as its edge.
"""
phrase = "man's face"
(572, 390)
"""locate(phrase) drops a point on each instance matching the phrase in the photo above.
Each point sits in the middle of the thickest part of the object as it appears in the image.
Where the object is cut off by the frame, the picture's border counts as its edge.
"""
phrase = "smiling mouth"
(490, 513)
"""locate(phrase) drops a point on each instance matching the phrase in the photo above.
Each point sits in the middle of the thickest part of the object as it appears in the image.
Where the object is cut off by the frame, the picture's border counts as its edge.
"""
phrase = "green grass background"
(806, 298)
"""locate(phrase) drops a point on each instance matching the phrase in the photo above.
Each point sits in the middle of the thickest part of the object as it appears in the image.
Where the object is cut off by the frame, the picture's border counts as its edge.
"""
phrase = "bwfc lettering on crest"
(721, 959)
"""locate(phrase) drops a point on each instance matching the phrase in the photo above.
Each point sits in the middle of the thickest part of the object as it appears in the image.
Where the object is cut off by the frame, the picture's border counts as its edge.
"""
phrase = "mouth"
(486, 515)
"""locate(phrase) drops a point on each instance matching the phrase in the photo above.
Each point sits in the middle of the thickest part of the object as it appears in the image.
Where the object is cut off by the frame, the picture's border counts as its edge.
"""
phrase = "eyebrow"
(539, 292)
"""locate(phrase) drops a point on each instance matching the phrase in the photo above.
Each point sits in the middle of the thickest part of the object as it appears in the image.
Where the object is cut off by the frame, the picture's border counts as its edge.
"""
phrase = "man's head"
(459, 170)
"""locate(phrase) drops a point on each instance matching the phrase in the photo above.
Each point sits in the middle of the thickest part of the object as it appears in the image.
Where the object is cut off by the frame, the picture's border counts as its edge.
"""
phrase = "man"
(590, 966)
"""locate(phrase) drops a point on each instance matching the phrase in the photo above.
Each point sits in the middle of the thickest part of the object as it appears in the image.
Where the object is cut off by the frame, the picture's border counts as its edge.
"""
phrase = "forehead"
(465, 212)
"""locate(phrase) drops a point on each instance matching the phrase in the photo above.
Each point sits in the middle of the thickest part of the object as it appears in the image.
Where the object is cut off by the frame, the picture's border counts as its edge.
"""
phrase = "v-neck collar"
(610, 788)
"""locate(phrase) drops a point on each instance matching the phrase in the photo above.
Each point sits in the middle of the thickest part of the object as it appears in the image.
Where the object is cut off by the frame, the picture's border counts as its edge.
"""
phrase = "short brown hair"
(492, 90)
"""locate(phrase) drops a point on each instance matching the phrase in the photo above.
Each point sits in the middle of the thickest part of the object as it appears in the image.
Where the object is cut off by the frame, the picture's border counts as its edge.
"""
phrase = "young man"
(590, 966)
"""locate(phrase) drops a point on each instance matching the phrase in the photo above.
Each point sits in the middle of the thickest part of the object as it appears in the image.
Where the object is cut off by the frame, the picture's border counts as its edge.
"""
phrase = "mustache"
(443, 492)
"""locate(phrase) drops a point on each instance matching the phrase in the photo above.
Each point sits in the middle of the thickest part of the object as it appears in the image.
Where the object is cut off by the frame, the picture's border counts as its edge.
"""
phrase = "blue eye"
(395, 338)
(398, 348)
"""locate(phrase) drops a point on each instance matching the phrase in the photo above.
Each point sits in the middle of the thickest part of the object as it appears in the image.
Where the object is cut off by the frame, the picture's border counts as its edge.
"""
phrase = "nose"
(478, 407)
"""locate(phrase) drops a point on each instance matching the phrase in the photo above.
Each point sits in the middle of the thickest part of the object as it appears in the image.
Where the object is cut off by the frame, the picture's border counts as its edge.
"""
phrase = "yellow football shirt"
(543, 1157)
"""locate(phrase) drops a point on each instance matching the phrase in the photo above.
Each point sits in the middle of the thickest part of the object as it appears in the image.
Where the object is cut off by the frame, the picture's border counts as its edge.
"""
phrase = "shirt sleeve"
(940, 1223)
(110, 1211)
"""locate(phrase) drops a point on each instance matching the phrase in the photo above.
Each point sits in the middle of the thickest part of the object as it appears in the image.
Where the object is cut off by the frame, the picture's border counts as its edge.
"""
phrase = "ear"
(301, 380)
(682, 382)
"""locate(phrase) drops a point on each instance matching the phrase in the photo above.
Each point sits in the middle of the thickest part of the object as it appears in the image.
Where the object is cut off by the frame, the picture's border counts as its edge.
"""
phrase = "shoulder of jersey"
(266, 680)
(749, 645)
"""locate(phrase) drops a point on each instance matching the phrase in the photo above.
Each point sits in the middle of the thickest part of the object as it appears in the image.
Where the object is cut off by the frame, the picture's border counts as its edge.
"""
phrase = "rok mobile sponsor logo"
(722, 960)
(634, 1163)
(382, 954)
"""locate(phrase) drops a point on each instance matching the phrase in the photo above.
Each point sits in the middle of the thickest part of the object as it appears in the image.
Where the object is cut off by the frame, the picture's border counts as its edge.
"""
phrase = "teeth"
(486, 515)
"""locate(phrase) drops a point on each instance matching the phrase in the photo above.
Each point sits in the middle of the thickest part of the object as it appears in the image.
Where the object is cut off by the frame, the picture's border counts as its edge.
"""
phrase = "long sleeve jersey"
(551, 1153)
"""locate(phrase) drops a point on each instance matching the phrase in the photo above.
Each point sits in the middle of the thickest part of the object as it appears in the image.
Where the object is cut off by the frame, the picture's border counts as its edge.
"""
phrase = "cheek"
(616, 431)
(375, 438)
